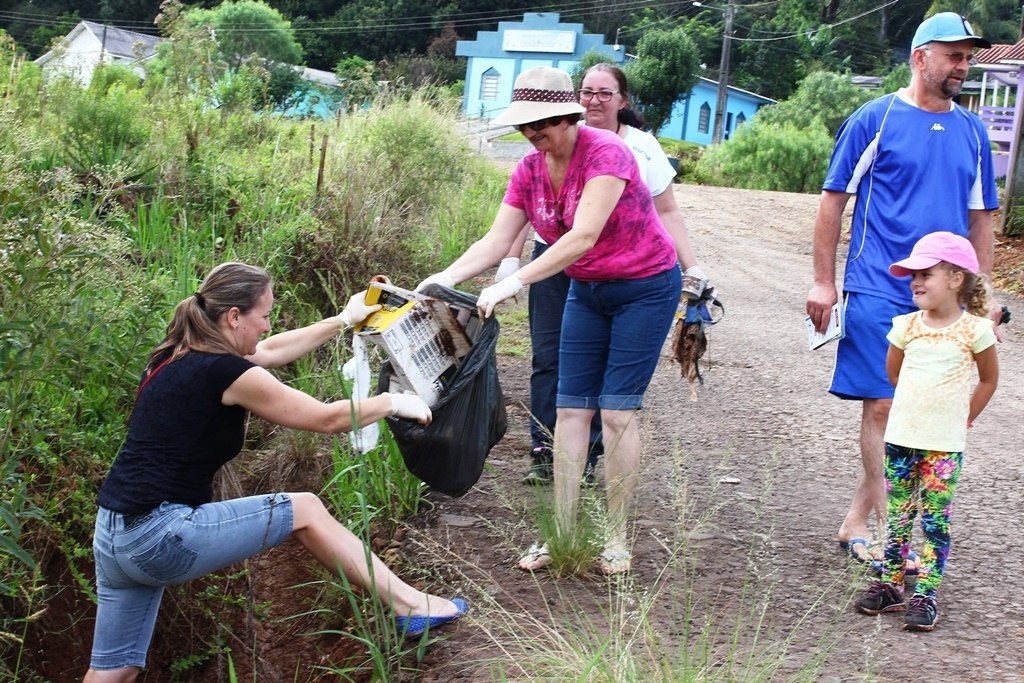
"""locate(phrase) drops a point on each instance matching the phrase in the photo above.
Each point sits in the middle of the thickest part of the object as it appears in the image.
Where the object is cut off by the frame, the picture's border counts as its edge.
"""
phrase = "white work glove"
(697, 272)
(442, 278)
(410, 407)
(508, 266)
(497, 293)
(357, 311)
(694, 282)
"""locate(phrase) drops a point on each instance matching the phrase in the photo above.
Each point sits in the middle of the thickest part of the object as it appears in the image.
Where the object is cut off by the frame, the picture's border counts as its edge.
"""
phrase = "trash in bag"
(690, 342)
(469, 418)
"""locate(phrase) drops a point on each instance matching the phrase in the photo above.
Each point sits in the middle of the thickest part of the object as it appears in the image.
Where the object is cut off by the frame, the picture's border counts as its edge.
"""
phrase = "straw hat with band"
(540, 93)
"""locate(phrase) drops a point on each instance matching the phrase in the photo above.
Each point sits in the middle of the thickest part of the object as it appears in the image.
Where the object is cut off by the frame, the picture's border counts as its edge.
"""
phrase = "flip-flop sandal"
(849, 547)
(410, 627)
(537, 553)
(911, 568)
(615, 562)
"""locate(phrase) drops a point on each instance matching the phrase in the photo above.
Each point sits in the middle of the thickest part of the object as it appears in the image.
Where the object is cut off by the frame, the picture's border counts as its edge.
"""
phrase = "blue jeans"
(545, 304)
(138, 555)
(612, 336)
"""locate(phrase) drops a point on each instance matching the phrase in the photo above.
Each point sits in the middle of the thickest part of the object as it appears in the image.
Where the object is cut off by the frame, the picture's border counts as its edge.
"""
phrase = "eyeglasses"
(956, 57)
(601, 95)
(538, 126)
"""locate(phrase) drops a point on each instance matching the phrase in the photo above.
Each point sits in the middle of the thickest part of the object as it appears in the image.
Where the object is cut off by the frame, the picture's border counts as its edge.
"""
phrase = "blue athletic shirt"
(914, 172)
(179, 435)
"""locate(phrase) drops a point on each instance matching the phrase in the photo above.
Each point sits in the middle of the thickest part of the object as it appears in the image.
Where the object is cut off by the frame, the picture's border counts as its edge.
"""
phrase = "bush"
(769, 157)
(401, 188)
(823, 96)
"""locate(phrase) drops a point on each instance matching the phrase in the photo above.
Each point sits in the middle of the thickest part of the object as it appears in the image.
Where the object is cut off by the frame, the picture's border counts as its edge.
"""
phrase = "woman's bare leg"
(338, 549)
(127, 674)
(572, 438)
(622, 474)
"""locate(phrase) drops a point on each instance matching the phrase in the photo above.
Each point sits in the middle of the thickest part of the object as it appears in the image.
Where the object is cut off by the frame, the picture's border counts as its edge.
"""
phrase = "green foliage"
(247, 28)
(106, 125)
(770, 156)
(93, 260)
(358, 80)
(687, 154)
(589, 59)
(665, 68)
(898, 77)
(825, 97)
(394, 169)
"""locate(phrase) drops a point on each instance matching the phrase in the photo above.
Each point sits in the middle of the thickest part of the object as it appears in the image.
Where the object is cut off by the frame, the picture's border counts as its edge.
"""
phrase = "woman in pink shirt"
(581, 189)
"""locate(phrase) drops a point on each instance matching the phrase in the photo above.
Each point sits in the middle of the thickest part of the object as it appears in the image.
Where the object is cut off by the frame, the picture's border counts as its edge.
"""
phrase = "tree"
(253, 37)
(825, 97)
(249, 27)
(665, 69)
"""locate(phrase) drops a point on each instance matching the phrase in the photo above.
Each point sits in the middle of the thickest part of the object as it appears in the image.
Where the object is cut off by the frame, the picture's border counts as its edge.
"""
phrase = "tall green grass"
(115, 201)
(676, 627)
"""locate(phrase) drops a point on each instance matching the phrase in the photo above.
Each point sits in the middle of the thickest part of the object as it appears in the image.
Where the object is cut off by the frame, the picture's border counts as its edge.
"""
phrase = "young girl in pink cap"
(931, 355)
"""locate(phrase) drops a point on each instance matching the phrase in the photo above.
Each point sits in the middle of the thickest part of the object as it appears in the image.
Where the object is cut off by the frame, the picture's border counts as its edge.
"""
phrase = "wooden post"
(312, 138)
(320, 172)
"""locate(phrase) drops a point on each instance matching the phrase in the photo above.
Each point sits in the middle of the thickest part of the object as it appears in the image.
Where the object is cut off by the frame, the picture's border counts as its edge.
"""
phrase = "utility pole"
(723, 75)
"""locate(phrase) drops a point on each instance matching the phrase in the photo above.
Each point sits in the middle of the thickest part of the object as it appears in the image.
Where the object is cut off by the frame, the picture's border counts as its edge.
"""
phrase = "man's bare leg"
(870, 492)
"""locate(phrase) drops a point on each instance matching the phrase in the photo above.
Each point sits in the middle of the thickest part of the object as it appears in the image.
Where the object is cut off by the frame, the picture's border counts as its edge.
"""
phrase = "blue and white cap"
(946, 27)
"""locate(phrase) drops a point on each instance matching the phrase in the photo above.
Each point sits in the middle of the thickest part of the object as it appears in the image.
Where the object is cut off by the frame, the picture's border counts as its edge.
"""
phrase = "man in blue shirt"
(917, 163)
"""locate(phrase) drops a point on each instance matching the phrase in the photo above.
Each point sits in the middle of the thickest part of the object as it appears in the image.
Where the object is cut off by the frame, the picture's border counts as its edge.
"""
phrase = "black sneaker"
(541, 470)
(880, 597)
(922, 613)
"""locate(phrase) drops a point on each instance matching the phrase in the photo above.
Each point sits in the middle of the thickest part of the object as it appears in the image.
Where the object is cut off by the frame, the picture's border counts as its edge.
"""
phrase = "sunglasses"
(538, 126)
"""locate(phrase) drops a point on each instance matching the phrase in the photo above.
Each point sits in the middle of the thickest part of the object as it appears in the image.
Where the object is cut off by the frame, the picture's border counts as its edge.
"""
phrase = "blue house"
(693, 116)
(495, 58)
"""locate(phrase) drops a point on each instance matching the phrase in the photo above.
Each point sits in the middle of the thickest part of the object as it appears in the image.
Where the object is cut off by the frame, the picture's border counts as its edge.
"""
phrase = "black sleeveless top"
(179, 435)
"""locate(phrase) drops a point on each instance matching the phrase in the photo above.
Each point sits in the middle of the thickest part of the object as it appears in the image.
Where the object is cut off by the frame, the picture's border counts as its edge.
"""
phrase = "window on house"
(704, 122)
(740, 119)
(489, 85)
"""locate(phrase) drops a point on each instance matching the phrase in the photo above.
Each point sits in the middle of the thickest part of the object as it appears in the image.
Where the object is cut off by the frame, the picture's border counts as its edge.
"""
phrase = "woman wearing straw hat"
(581, 189)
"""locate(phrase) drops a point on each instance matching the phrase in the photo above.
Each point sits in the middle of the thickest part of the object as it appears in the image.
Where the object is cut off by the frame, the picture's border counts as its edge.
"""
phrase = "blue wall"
(567, 43)
(686, 122)
(488, 56)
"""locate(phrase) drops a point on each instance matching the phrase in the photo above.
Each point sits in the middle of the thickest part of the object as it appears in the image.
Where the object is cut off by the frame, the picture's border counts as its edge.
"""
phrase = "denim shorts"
(859, 372)
(612, 336)
(138, 555)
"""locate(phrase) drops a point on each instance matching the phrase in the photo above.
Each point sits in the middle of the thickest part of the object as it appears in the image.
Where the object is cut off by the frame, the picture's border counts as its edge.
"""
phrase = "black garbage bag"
(448, 454)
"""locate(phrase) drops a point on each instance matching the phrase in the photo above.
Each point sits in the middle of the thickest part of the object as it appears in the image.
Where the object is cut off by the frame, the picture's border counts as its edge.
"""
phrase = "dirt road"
(760, 552)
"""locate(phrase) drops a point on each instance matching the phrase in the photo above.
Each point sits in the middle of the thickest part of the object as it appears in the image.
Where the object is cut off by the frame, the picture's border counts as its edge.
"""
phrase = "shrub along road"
(753, 480)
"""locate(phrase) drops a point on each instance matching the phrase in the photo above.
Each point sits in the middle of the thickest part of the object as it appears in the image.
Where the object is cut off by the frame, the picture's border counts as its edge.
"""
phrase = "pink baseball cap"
(935, 247)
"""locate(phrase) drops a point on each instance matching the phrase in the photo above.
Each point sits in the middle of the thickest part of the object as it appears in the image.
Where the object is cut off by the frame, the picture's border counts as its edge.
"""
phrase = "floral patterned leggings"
(926, 480)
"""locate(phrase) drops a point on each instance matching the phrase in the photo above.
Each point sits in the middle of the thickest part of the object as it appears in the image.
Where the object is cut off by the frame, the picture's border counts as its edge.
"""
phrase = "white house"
(90, 44)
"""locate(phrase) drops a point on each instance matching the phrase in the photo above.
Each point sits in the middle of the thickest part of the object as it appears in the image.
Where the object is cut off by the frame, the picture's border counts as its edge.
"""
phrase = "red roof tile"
(999, 53)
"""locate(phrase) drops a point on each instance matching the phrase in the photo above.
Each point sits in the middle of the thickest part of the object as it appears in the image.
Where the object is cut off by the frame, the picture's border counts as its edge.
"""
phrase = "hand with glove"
(694, 282)
(509, 265)
(410, 407)
(497, 293)
(357, 310)
(697, 272)
(442, 278)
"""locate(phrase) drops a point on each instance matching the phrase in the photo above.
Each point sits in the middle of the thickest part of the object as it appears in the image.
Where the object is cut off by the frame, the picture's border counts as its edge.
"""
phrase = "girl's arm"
(988, 378)
(893, 363)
